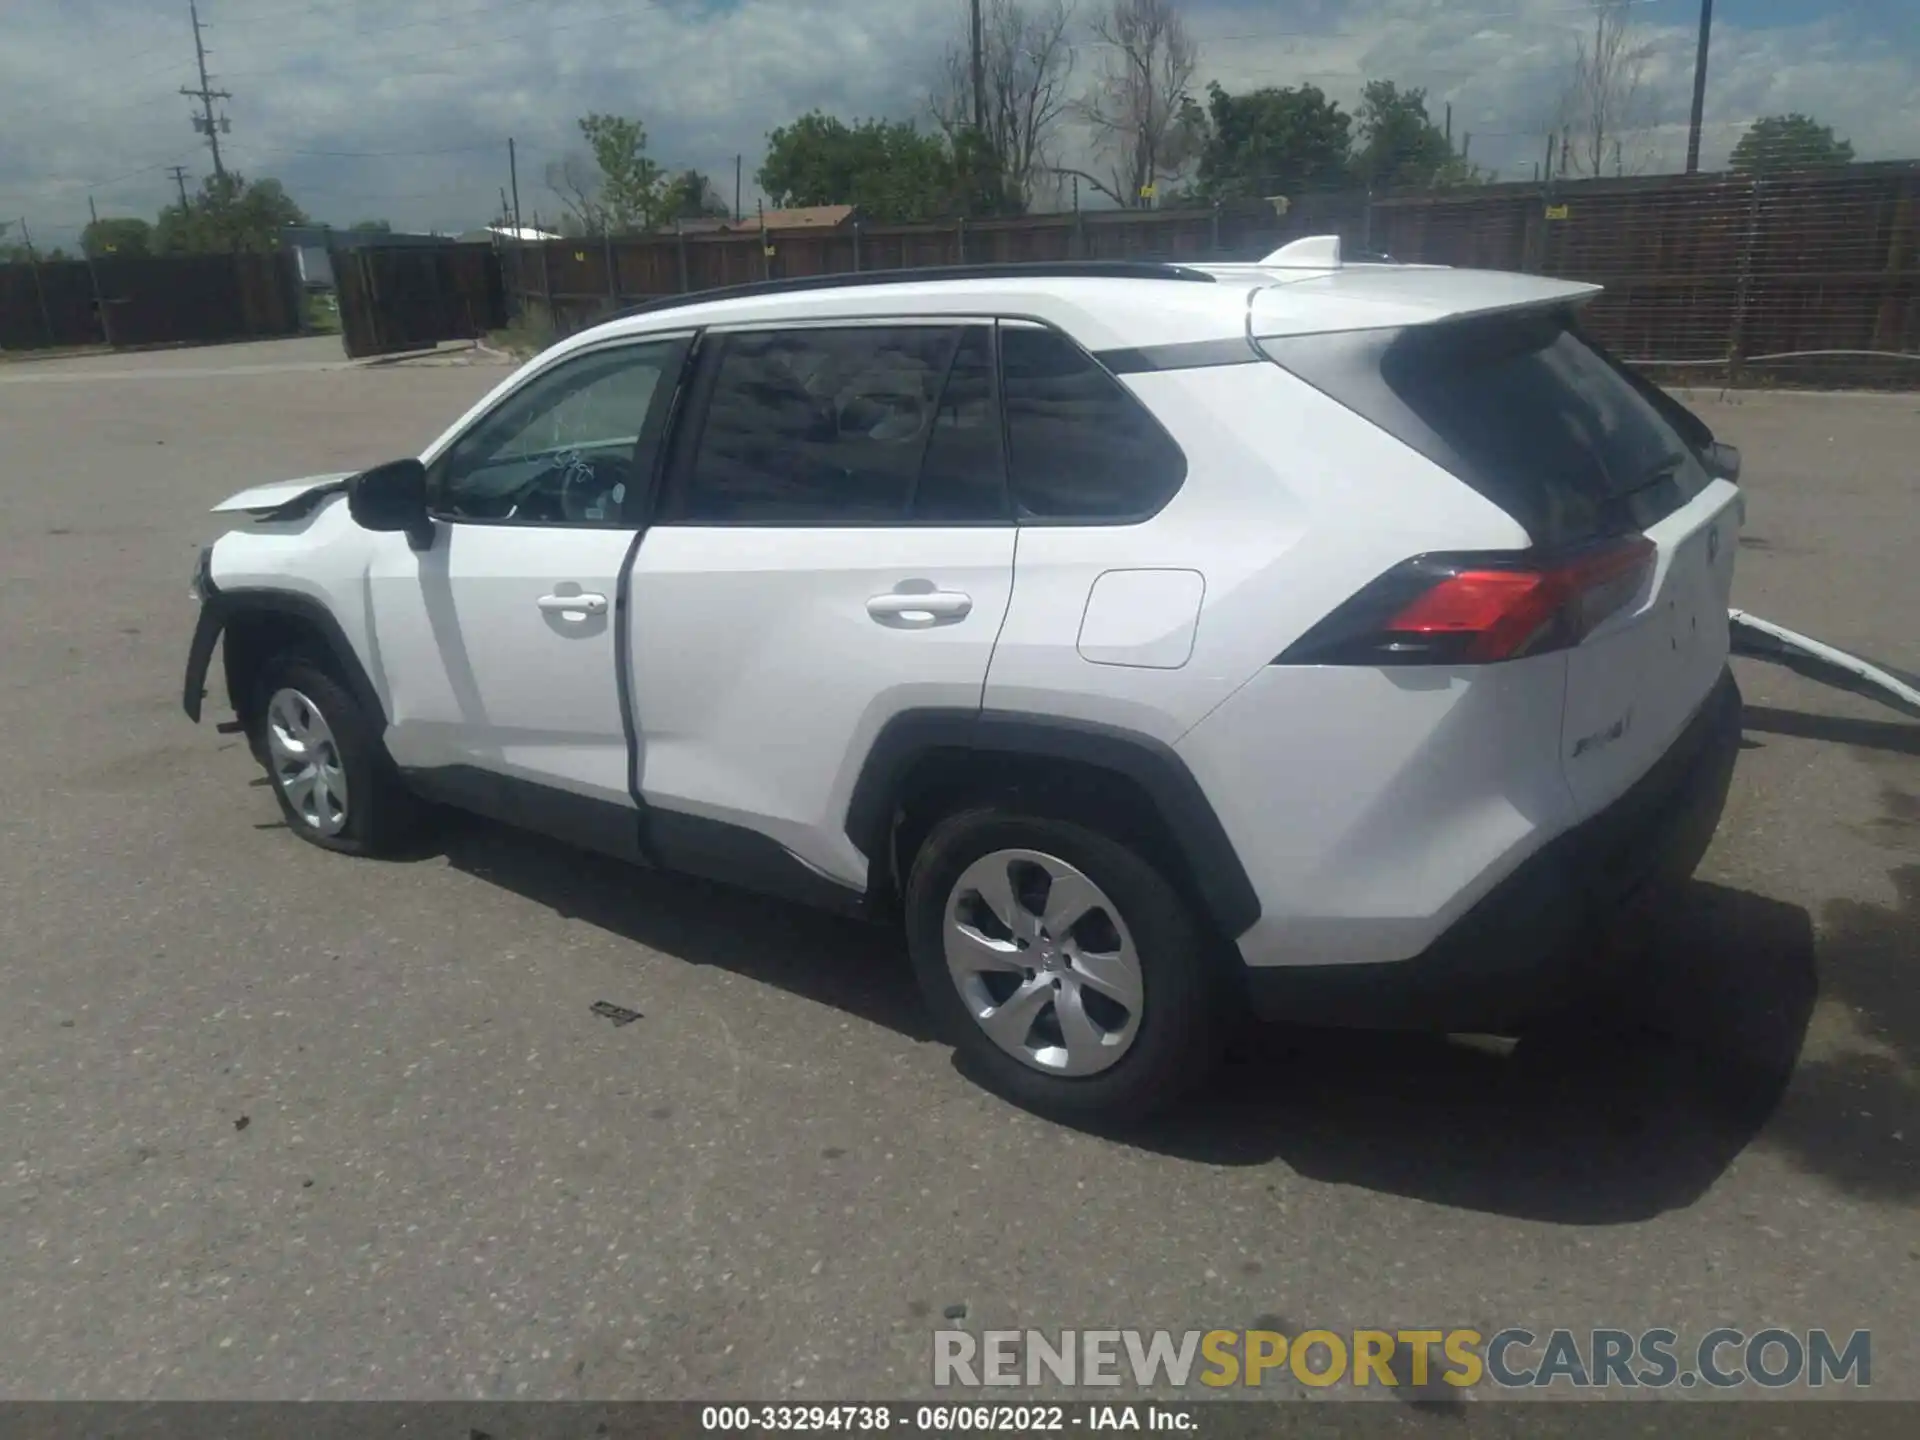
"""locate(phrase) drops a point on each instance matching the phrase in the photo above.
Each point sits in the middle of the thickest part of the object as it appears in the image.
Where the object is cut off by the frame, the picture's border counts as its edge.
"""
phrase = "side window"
(566, 448)
(1079, 446)
(857, 426)
(962, 476)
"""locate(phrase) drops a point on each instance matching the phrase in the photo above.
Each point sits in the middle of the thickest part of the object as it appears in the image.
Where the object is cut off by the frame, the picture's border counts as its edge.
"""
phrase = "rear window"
(1519, 407)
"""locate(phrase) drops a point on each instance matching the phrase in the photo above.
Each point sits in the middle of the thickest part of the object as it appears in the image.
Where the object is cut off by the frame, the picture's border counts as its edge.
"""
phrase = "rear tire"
(335, 785)
(1068, 972)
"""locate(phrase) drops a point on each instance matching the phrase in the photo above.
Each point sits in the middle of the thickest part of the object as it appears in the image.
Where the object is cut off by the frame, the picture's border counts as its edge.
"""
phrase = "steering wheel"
(588, 486)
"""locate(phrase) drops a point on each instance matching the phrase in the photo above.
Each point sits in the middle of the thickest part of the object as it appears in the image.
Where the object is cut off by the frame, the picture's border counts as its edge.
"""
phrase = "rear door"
(834, 547)
(1521, 408)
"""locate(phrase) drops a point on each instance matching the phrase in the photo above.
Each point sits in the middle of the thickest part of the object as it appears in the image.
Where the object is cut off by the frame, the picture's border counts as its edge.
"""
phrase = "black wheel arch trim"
(1220, 880)
(219, 608)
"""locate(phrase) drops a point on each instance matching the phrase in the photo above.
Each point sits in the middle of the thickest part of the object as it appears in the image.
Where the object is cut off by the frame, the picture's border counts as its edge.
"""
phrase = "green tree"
(982, 183)
(117, 237)
(1399, 145)
(621, 190)
(1788, 142)
(1271, 141)
(690, 195)
(227, 213)
(888, 169)
(371, 227)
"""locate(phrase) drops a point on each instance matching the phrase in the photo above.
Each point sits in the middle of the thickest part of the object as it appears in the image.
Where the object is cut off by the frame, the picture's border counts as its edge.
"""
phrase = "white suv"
(1341, 642)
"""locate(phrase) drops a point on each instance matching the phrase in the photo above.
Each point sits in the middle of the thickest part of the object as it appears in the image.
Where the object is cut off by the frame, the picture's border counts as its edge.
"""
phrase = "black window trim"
(1021, 516)
(672, 378)
(683, 444)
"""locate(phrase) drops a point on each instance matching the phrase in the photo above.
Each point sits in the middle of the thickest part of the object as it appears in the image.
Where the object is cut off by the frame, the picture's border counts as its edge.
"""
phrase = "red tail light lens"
(1478, 609)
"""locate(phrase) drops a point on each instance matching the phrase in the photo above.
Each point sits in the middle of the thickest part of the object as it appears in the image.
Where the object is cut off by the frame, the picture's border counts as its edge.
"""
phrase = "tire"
(304, 709)
(1150, 1056)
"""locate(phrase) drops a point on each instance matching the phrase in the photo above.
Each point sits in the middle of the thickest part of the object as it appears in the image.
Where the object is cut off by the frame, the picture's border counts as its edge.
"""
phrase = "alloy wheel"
(1044, 962)
(305, 762)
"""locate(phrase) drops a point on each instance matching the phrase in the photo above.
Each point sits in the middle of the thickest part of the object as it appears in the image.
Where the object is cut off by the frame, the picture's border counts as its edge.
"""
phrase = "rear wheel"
(336, 787)
(1067, 971)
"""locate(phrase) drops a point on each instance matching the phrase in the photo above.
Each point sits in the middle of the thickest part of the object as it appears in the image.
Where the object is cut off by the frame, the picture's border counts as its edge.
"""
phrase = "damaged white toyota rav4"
(1338, 642)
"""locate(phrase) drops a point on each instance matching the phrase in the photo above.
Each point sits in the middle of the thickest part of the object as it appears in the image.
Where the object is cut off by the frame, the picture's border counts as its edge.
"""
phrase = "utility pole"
(39, 289)
(736, 190)
(1699, 88)
(513, 177)
(979, 74)
(180, 179)
(205, 122)
(93, 275)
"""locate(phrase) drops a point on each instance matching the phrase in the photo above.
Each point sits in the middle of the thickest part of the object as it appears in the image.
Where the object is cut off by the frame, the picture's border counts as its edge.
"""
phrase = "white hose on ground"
(1759, 639)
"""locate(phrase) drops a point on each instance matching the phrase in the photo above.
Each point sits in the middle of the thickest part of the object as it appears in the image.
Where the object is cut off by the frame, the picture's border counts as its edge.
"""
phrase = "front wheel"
(336, 787)
(1065, 968)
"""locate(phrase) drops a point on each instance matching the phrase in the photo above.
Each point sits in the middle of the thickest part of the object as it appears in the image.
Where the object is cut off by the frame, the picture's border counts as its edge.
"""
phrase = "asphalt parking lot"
(281, 1124)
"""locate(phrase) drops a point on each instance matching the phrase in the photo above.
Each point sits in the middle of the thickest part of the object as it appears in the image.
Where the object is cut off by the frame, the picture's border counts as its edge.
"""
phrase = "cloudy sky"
(401, 108)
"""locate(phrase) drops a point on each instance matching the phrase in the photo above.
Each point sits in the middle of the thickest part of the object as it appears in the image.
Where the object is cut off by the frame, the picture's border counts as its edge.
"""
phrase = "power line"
(388, 72)
(489, 146)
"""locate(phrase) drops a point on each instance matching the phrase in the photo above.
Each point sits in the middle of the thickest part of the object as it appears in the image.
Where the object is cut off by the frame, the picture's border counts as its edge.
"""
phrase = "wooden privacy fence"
(1812, 276)
(395, 298)
(148, 300)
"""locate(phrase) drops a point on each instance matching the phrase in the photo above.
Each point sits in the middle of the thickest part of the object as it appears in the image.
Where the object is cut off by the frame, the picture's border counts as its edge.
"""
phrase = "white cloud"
(90, 102)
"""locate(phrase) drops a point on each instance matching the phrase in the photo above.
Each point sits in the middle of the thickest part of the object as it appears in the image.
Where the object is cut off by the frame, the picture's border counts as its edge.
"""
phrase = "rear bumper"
(1525, 946)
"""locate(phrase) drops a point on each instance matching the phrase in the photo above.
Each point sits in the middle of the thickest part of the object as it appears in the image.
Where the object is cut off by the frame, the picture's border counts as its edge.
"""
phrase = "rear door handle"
(918, 611)
(573, 607)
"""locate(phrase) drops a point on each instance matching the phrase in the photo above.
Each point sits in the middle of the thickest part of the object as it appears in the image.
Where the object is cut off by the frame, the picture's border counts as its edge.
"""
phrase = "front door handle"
(573, 607)
(911, 611)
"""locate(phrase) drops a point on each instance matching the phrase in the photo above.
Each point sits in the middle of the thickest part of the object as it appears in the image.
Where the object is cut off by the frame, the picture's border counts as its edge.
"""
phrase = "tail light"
(1478, 609)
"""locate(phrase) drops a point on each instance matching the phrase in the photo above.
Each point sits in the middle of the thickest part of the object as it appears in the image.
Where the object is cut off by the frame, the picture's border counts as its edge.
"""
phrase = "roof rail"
(1043, 269)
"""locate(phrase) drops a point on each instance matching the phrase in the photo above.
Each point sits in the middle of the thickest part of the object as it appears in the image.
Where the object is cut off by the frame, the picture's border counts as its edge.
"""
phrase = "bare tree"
(576, 181)
(1027, 60)
(1140, 102)
(1605, 100)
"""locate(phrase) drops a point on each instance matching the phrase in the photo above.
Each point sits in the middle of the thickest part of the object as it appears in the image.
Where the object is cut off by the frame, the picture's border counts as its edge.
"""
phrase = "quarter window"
(1079, 445)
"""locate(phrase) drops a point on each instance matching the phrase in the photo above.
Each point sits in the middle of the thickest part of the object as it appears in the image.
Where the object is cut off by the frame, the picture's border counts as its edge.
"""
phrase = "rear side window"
(1520, 408)
(1080, 447)
(857, 426)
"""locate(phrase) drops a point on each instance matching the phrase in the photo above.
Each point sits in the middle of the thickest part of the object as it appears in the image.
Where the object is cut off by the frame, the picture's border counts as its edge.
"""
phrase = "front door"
(498, 640)
(835, 547)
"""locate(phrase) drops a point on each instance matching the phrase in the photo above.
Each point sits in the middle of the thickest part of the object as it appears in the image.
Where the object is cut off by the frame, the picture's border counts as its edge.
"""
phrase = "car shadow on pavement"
(1853, 1112)
(1593, 1121)
(855, 967)
(1896, 737)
